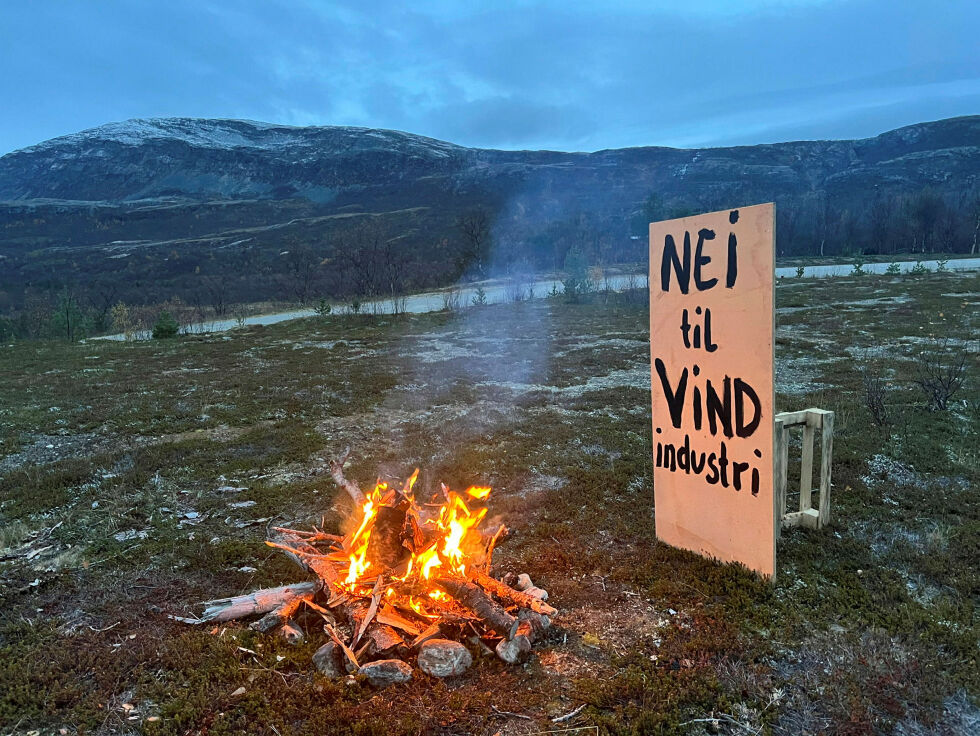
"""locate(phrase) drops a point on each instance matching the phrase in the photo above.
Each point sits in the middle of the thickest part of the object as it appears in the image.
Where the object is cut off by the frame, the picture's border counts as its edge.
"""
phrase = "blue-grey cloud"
(544, 74)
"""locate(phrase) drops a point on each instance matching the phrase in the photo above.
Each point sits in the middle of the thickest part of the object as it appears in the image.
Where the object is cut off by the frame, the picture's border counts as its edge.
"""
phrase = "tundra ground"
(116, 461)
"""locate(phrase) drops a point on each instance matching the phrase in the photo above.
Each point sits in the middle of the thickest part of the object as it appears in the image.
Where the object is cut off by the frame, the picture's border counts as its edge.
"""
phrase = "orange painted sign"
(711, 343)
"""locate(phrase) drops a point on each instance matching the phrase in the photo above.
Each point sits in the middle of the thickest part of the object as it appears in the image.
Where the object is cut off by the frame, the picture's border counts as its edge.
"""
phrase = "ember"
(411, 577)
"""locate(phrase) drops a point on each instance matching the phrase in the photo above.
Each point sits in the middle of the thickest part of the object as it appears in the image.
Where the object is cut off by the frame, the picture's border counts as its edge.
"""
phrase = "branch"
(337, 473)
(470, 596)
(260, 601)
(509, 595)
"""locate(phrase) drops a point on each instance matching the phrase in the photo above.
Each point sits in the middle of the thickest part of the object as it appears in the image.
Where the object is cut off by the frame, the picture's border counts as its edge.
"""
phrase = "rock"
(514, 650)
(384, 672)
(539, 623)
(540, 593)
(292, 633)
(525, 584)
(328, 660)
(444, 658)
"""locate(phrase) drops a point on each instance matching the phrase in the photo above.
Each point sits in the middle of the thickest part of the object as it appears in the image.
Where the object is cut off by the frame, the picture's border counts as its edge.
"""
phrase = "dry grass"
(869, 625)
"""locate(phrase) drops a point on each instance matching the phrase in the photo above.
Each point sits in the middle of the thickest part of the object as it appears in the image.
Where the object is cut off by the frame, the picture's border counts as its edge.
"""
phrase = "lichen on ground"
(169, 460)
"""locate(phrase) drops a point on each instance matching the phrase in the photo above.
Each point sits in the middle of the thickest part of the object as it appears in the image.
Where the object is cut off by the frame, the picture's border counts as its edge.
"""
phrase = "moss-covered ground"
(111, 519)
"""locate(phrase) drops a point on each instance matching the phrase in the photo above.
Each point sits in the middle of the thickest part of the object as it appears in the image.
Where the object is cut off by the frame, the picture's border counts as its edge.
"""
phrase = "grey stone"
(292, 633)
(444, 658)
(514, 650)
(328, 660)
(384, 672)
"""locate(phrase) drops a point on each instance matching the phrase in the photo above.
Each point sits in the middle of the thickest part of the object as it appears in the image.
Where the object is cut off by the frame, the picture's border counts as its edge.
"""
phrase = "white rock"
(444, 658)
(513, 650)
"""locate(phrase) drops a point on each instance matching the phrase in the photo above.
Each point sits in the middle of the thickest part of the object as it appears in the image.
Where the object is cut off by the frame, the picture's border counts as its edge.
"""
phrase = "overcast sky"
(564, 75)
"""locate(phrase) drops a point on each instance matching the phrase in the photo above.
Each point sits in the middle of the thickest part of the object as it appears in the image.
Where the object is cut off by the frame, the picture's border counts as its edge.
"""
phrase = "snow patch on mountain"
(230, 134)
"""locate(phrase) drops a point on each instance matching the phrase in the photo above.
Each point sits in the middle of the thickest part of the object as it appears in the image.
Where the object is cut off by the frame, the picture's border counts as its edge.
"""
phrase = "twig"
(698, 720)
(99, 631)
(340, 643)
(337, 473)
(735, 722)
(569, 716)
(493, 541)
(499, 712)
(372, 609)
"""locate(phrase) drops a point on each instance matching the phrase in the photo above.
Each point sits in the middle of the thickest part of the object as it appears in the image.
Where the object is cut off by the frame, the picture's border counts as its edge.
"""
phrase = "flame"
(450, 534)
(478, 492)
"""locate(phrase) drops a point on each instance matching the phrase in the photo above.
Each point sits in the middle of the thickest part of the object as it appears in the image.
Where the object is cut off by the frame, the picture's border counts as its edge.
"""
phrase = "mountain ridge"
(318, 155)
(172, 206)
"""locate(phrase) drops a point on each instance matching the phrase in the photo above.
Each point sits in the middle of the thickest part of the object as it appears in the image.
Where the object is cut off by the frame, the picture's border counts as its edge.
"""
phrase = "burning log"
(390, 617)
(433, 632)
(385, 545)
(410, 578)
(473, 598)
(383, 638)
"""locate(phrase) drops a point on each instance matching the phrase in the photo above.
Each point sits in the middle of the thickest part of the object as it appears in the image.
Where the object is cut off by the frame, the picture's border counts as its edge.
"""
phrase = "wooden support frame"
(811, 420)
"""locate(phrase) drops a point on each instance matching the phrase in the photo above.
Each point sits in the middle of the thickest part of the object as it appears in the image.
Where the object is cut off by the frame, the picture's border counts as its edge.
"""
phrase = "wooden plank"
(781, 454)
(793, 418)
(806, 469)
(809, 519)
(719, 330)
(826, 458)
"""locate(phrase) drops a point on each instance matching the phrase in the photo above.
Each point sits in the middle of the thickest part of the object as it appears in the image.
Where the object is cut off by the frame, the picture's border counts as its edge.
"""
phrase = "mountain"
(202, 160)
(160, 204)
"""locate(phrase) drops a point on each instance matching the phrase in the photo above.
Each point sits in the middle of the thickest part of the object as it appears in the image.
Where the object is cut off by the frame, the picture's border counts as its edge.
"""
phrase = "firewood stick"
(280, 615)
(472, 597)
(372, 609)
(390, 617)
(511, 596)
(337, 473)
(326, 615)
(318, 564)
(313, 536)
(340, 643)
(256, 602)
(488, 559)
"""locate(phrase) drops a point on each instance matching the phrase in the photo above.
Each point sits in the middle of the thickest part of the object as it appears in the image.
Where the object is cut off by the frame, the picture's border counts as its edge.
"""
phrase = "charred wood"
(475, 599)
(511, 596)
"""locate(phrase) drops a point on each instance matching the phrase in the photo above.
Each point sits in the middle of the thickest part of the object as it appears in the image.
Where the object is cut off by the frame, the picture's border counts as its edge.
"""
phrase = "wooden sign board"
(711, 343)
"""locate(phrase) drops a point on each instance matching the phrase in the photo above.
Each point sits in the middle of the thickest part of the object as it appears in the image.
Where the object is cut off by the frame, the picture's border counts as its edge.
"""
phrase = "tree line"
(377, 257)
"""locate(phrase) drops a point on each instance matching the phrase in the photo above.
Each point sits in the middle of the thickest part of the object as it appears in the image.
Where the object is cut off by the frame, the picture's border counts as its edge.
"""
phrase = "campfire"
(411, 580)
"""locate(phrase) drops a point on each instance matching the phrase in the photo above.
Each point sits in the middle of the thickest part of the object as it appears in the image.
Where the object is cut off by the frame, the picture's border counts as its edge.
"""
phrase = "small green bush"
(166, 326)
(323, 308)
(893, 269)
(799, 272)
(480, 297)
